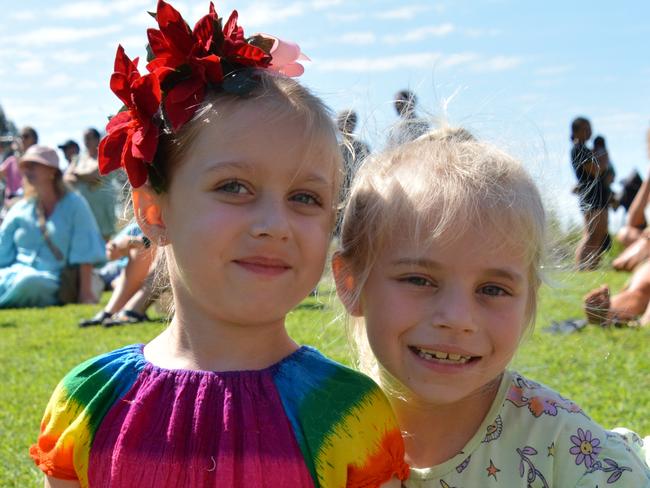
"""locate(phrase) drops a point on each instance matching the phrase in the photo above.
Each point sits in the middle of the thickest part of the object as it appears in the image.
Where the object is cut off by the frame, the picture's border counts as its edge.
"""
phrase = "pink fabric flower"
(285, 55)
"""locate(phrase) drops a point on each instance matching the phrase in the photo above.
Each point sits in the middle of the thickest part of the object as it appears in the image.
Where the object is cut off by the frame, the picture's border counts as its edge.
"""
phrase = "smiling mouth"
(442, 357)
(264, 266)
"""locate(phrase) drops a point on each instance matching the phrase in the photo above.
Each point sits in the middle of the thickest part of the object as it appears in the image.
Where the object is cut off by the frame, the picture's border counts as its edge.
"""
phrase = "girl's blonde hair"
(439, 186)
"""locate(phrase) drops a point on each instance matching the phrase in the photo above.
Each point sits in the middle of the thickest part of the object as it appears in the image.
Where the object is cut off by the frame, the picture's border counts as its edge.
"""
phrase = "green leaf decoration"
(150, 55)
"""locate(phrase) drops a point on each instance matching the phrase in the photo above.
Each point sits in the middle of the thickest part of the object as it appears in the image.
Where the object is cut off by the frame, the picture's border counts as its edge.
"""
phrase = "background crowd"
(66, 236)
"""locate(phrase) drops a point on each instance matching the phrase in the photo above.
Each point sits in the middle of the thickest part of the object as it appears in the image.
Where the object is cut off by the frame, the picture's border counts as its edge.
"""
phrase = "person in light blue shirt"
(29, 268)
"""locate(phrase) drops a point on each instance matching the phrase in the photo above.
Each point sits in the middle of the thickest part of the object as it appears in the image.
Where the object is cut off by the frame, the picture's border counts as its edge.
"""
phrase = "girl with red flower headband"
(235, 170)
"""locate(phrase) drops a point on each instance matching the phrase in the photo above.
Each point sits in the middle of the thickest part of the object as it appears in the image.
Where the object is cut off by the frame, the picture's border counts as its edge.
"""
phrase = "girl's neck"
(197, 341)
(435, 433)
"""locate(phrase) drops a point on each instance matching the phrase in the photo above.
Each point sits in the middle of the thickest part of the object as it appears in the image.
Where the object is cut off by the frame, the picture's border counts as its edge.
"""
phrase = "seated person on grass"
(634, 235)
(630, 304)
(130, 275)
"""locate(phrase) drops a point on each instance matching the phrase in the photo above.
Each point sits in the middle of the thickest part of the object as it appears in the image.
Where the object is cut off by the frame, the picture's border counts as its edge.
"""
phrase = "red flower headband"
(182, 64)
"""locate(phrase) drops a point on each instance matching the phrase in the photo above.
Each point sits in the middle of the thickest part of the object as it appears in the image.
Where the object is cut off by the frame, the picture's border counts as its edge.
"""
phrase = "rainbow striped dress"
(118, 420)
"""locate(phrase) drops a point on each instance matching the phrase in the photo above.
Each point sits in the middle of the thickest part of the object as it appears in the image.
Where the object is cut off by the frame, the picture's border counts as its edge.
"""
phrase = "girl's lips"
(263, 266)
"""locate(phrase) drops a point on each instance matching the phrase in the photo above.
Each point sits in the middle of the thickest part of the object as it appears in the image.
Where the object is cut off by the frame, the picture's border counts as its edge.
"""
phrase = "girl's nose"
(453, 309)
(271, 220)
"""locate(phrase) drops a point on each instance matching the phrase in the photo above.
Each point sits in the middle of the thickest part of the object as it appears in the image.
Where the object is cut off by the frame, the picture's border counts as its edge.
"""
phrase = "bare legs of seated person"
(635, 253)
(135, 309)
(132, 289)
(631, 303)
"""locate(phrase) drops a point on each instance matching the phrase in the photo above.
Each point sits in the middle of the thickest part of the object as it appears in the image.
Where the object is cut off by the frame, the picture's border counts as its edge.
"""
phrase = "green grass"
(605, 371)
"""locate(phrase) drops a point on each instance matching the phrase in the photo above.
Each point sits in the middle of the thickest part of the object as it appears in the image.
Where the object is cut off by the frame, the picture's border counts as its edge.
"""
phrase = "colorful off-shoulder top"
(118, 420)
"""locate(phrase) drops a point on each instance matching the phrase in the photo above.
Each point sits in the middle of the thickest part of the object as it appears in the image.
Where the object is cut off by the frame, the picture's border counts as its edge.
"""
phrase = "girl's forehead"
(433, 235)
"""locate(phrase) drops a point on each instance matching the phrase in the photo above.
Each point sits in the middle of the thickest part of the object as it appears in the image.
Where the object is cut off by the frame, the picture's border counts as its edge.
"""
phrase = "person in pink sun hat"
(48, 229)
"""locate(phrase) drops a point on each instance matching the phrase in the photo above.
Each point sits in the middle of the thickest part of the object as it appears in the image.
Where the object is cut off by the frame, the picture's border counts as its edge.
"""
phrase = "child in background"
(237, 177)
(442, 243)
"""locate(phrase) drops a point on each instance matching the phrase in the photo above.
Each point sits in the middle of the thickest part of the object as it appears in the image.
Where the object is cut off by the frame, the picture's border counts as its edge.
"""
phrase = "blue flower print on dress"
(585, 447)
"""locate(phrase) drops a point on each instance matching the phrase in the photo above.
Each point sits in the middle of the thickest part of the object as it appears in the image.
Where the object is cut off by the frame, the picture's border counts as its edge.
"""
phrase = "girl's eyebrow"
(312, 177)
(227, 165)
(505, 272)
(420, 262)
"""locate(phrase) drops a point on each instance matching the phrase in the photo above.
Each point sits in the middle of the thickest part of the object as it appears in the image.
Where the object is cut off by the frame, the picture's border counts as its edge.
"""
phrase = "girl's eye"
(417, 281)
(232, 187)
(306, 199)
(494, 291)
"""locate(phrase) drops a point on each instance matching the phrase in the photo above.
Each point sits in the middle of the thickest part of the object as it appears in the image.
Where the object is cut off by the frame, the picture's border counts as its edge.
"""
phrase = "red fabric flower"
(131, 136)
(187, 60)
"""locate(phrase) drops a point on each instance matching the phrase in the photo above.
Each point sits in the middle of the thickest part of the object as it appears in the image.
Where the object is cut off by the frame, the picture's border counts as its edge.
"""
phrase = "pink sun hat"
(42, 155)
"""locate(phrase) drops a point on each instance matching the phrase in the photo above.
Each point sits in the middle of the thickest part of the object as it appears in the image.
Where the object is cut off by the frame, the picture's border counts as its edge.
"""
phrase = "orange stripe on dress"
(381, 466)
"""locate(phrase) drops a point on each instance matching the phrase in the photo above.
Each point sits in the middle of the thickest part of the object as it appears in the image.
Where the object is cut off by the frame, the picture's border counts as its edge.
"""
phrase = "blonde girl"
(441, 247)
(235, 171)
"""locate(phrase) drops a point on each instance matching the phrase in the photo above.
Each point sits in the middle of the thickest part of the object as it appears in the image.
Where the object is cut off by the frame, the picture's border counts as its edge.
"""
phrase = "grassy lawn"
(605, 371)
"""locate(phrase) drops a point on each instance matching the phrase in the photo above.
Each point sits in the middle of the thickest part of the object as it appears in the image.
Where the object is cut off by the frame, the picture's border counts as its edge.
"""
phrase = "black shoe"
(101, 317)
(126, 317)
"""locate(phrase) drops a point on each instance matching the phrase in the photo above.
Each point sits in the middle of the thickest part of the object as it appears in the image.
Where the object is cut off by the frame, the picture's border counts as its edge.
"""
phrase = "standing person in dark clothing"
(354, 150)
(594, 195)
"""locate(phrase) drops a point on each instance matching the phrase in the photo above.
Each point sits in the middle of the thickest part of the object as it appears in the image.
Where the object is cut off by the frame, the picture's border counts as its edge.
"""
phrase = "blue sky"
(513, 72)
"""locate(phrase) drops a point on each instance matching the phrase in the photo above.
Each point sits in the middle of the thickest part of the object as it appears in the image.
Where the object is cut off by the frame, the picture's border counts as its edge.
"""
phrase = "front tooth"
(440, 355)
(454, 357)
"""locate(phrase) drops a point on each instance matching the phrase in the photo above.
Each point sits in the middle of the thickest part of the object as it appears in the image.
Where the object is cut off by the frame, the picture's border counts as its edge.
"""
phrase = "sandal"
(126, 317)
(566, 326)
(99, 318)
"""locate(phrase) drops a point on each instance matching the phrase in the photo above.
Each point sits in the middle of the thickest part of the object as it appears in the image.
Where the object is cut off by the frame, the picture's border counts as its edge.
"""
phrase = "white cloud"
(356, 38)
(407, 12)
(58, 80)
(60, 35)
(96, 9)
(476, 33)
(262, 14)
(420, 34)
(473, 61)
(30, 67)
(325, 4)
(458, 59)
(386, 63)
(496, 63)
(553, 70)
(344, 17)
(22, 15)
(626, 122)
(80, 10)
(71, 56)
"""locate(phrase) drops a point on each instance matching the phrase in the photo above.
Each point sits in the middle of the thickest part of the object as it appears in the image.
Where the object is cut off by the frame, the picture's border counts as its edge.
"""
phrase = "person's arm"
(594, 168)
(86, 294)
(91, 177)
(57, 483)
(121, 245)
(636, 217)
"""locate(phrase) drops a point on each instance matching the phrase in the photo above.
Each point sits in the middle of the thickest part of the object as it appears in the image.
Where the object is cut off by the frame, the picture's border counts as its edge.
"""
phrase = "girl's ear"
(346, 285)
(146, 207)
